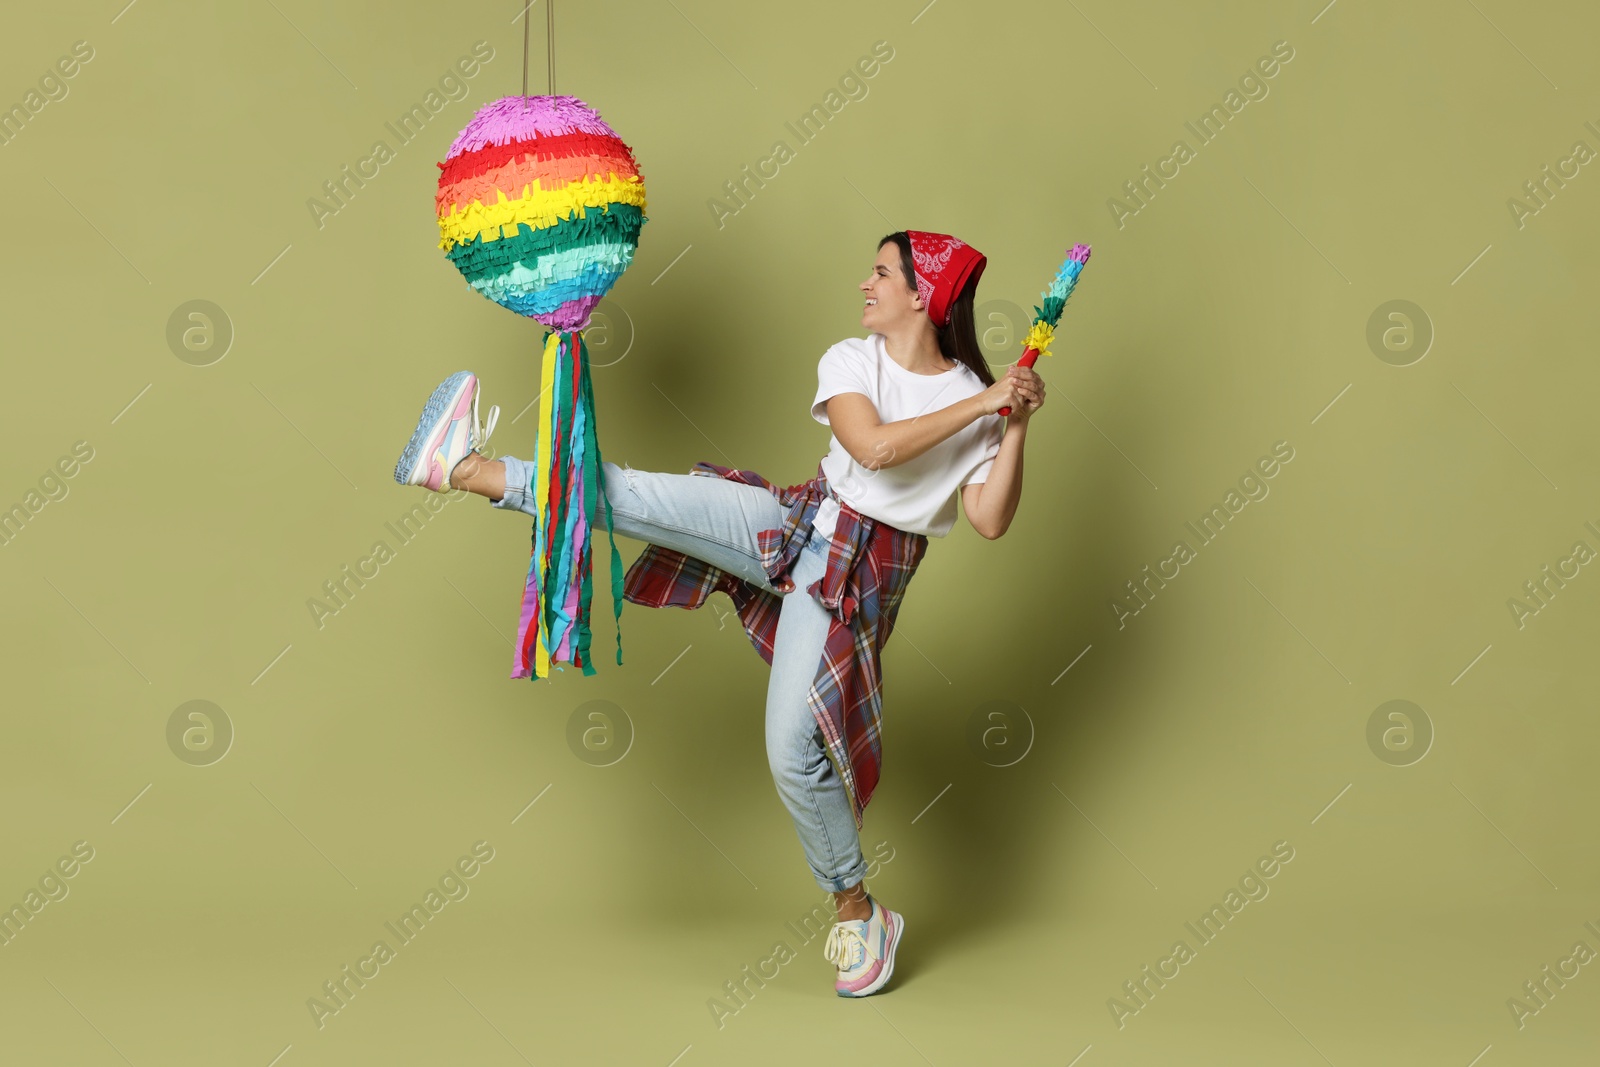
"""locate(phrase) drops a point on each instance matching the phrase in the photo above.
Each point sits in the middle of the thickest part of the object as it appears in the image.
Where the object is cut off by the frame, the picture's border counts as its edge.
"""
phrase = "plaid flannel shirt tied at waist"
(869, 567)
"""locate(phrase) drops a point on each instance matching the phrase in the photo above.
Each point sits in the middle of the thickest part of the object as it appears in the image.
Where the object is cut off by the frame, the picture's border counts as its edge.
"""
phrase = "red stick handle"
(1028, 356)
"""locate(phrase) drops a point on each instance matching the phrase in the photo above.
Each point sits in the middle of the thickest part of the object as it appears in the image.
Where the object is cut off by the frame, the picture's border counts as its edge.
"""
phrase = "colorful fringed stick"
(1040, 334)
(540, 204)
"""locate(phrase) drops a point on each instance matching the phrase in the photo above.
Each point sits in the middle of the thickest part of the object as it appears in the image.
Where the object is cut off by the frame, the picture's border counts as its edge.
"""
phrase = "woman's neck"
(916, 349)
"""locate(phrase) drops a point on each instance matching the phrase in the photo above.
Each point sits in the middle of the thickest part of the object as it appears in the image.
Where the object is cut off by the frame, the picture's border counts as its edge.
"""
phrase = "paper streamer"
(568, 487)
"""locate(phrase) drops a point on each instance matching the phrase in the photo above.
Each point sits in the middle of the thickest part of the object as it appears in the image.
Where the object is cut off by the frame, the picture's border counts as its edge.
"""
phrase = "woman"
(816, 570)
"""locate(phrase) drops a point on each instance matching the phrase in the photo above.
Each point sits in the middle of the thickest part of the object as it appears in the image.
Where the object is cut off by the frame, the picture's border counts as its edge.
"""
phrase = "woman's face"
(889, 301)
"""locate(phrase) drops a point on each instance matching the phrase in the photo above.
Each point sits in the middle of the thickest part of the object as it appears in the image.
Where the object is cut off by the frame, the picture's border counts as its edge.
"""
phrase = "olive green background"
(1230, 313)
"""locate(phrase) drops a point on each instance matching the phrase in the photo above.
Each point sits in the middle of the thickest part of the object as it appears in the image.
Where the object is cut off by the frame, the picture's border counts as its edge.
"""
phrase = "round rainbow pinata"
(540, 204)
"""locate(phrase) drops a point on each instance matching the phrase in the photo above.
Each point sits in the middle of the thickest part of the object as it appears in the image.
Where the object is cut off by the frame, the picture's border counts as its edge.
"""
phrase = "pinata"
(540, 205)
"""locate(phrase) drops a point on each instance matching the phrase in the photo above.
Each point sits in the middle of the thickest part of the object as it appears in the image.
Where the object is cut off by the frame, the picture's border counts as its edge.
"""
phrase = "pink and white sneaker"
(863, 950)
(446, 433)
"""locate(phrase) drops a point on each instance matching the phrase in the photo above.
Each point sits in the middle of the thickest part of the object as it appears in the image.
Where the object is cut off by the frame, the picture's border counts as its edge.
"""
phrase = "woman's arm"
(876, 445)
(991, 505)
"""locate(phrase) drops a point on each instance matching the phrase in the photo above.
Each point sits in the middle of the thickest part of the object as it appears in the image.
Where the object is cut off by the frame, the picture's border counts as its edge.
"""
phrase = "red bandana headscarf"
(943, 265)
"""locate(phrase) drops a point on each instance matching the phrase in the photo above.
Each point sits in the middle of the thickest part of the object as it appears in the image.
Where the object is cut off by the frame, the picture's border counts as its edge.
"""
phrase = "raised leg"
(711, 519)
(481, 475)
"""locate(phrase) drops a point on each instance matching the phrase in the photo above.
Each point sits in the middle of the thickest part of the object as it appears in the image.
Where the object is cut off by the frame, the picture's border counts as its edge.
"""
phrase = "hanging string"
(550, 54)
(525, 21)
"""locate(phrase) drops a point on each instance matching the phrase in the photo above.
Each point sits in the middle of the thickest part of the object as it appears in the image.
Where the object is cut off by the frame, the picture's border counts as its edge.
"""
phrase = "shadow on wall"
(986, 839)
(690, 389)
(675, 376)
(994, 836)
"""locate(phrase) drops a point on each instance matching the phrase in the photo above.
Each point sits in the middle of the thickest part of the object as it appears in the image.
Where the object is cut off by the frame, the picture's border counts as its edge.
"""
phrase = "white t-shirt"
(919, 495)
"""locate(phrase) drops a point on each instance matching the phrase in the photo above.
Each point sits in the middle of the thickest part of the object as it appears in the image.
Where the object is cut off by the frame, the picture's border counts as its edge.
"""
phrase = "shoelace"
(480, 434)
(846, 949)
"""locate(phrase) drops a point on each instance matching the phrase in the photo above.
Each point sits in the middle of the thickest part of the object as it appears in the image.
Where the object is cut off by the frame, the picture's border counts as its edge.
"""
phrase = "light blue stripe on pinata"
(551, 268)
(592, 281)
(556, 278)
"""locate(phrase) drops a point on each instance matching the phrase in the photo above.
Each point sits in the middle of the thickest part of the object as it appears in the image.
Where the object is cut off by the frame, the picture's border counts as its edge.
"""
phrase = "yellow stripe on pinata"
(537, 207)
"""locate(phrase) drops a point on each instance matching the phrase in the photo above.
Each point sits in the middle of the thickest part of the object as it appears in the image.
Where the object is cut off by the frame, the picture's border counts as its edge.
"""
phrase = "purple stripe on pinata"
(507, 120)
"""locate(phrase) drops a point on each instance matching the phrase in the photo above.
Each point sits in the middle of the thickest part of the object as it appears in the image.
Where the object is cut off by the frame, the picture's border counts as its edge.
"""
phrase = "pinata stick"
(1049, 313)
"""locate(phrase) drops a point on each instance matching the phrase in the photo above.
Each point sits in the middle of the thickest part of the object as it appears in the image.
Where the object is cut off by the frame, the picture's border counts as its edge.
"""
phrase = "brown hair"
(958, 338)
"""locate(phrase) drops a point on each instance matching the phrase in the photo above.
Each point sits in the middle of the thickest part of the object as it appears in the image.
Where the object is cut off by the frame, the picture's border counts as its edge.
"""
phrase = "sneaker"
(446, 433)
(863, 950)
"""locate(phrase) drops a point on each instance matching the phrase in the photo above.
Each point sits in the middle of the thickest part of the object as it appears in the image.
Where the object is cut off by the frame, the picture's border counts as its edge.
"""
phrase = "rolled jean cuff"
(519, 484)
(855, 876)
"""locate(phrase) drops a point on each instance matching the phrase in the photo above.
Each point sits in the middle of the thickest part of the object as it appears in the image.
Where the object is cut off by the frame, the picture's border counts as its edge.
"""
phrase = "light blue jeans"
(717, 520)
